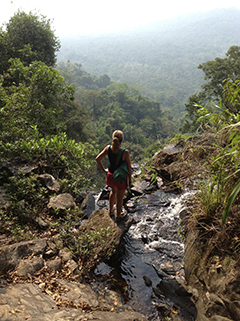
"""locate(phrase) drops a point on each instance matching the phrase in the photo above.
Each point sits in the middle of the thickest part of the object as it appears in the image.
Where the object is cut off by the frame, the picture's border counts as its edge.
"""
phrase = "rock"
(175, 172)
(131, 205)
(54, 264)
(165, 157)
(164, 309)
(151, 188)
(216, 280)
(51, 250)
(147, 281)
(72, 265)
(79, 292)
(174, 292)
(12, 167)
(50, 253)
(88, 204)
(145, 239)
(50, 182)
(105, 194)
(12, 254)
(29, 266)
(42, 225)
(110, 297)
(27, 302)
(65, 255)
(139, 186)
(101, 220)
(168, 269)
(62, 201)
(218, 318)
(27, 169)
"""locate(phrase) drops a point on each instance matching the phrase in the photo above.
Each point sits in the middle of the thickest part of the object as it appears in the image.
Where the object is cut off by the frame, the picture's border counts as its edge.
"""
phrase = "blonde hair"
(117, 138)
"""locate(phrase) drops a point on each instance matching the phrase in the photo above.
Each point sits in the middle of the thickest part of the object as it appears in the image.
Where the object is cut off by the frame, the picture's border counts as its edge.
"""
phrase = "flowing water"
(151, 250)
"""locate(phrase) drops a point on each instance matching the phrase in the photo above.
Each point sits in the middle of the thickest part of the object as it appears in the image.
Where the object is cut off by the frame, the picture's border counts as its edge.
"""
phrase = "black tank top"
(112, 160)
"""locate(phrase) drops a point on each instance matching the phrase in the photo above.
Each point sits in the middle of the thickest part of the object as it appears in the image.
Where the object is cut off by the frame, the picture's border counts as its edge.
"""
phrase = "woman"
(118, 189)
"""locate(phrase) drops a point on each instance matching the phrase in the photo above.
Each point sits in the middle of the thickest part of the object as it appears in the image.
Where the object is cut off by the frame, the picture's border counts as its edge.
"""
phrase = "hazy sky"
(100, 16)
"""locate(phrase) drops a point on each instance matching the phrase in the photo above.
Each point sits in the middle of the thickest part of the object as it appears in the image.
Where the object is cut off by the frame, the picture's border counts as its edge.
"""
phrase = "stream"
(148, 271)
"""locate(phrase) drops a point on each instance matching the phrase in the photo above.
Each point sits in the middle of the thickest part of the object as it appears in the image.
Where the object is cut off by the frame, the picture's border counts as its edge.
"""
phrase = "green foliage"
(209, 195)
(74, 75)
(28, 37)
(27, 202)
(230, 201)
(224, 185)
(179, 137)
(37, 118)
(232, 93)
(218, 73)
(36, 99)
(83, 246)
(119, 106)
(30, 120)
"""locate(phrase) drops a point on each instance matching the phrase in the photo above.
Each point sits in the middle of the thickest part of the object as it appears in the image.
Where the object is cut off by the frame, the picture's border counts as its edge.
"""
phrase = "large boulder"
(106, 246)
(11, 255)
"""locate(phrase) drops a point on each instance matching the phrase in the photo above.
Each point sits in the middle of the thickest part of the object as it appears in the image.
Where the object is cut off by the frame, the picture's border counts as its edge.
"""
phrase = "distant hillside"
(161, 59)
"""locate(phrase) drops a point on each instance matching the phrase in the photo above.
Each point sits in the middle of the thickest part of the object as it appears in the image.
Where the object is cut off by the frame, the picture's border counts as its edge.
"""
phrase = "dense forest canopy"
(38, 100)
(161, 59)
(117, 105)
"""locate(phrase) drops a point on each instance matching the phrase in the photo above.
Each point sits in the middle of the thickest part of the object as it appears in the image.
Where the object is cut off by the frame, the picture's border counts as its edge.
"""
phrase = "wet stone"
(149, 219)
(147, 280)
(145, 239)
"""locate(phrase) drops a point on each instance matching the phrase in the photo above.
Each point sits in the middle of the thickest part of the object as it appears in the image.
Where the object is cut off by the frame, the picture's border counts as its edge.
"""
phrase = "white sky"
(101, 16)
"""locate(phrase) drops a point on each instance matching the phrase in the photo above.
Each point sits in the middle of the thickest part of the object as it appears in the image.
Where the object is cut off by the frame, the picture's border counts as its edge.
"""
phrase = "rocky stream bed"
(155, 274)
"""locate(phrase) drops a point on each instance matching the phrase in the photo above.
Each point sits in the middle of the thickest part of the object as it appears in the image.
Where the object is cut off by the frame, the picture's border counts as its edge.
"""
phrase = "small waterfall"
(152, 251)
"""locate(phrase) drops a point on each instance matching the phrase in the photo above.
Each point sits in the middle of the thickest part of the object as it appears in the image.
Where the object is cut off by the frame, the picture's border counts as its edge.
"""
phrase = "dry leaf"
(174, 312)
(49, 292)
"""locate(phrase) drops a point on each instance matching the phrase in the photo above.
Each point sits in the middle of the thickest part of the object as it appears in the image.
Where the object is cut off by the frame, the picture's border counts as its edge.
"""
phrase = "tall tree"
(30, 38)
(217, 73)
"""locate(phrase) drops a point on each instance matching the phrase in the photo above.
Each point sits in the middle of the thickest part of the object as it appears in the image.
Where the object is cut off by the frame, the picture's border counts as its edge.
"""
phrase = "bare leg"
(120, 194)
(112, 198)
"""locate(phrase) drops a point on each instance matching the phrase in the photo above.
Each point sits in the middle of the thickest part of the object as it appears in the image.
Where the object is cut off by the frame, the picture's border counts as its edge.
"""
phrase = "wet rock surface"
(151, 256)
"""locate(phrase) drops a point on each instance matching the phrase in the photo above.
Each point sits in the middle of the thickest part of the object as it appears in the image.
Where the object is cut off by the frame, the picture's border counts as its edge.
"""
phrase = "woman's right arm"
(100, 157)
